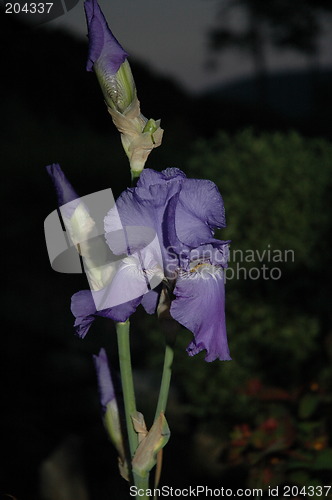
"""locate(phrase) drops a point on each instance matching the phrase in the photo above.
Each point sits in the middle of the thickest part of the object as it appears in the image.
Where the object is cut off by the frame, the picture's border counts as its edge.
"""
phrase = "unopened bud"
(109, 61)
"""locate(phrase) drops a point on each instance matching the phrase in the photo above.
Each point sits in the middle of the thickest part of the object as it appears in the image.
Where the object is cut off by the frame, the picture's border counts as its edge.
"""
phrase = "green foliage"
(270, 403)
(275, 188)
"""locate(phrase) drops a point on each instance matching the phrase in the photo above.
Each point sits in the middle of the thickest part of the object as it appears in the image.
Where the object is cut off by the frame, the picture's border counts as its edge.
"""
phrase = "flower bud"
(82, 231)
(109, 61)
(110, 407)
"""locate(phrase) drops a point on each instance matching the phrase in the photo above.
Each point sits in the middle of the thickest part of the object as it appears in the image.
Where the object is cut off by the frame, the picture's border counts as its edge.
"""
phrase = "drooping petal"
(105, 383)
(103, 46)
(84, 309)
(200, 307)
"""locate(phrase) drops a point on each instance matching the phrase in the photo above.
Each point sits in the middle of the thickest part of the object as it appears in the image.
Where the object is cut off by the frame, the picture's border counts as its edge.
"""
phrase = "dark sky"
(171, 36)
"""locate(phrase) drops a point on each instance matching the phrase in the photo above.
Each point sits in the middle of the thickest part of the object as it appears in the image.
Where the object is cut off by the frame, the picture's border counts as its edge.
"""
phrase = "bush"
(276, 189)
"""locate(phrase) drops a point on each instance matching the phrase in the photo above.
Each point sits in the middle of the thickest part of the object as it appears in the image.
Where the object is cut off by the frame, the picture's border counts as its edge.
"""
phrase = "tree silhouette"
(294, 24)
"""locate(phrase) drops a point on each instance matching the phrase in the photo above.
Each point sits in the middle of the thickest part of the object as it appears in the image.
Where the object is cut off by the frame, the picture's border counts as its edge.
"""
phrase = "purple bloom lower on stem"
(104, 49)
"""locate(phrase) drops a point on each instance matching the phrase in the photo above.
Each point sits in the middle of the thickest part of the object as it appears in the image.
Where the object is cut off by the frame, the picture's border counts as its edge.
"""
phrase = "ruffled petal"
(145, 205)
(151, 177)
(200, 210)
(200, 307)
(202, 198)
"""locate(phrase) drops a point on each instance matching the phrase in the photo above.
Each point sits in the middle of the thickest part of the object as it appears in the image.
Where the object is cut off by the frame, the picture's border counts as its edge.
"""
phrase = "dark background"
(257, 421)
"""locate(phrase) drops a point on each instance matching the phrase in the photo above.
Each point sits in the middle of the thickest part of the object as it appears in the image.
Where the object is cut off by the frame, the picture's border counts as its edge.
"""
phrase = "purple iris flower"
(104, 49)
(183, 213)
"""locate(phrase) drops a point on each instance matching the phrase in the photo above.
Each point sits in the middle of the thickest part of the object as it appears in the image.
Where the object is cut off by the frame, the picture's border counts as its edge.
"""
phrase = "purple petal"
(103, 46)
(171, 240)
(84, 309)
(216, 254)
(105, 383)
(207, 204)
(150, 301)
(145, 206)
(150, 177)
(135, 276)
(200, 307)
(64, 190)
(200, 210)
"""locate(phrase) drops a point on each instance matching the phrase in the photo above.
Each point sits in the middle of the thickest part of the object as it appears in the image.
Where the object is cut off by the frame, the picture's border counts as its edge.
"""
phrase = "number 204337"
(28, 8)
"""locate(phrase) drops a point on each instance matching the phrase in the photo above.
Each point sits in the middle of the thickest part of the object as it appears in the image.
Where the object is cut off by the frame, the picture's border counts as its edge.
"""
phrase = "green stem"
(165, 381)
(134, 177)
(122, 330)
(142, 483)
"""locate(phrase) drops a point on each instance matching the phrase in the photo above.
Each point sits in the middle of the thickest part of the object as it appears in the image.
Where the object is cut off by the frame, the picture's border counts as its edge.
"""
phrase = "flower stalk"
(122, 330)
(165, 381)
(179, 213)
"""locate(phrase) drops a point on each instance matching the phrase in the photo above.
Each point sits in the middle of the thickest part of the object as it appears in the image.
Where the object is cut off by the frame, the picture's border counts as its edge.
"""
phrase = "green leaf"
(146, 454)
